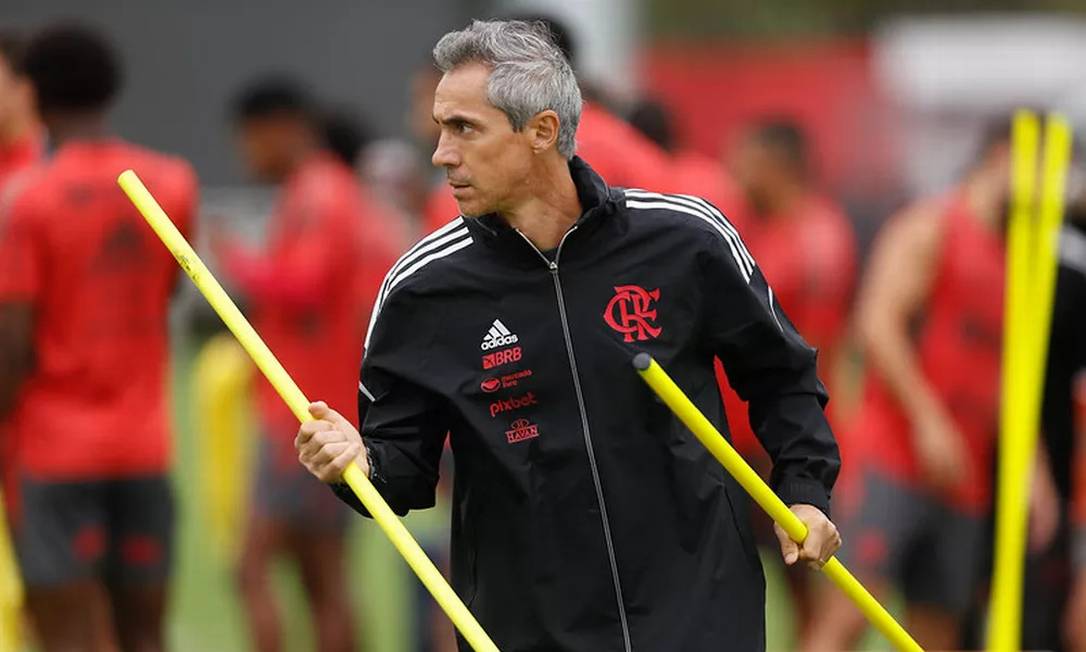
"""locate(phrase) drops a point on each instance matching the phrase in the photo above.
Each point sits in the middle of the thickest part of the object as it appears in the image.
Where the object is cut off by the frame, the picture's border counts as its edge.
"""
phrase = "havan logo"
(520, 430)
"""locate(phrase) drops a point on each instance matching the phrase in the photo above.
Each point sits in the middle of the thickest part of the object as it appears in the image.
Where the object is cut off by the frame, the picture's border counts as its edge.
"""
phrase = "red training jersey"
(330, 246)
(809, 261)
(959, 347)
(99, 282)
(619, 153)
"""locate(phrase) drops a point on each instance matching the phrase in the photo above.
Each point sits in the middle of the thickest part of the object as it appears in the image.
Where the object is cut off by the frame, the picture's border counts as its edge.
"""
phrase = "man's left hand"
(822, 538)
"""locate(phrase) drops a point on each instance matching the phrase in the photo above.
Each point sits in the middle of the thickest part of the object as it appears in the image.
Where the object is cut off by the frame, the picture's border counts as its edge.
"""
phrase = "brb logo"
(630, 312)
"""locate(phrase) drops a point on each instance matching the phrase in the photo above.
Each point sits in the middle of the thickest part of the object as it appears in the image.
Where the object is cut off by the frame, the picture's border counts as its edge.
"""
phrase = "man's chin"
(471, 209)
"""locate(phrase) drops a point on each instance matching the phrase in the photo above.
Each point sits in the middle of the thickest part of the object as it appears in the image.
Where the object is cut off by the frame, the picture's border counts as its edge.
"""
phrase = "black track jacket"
(585, 516)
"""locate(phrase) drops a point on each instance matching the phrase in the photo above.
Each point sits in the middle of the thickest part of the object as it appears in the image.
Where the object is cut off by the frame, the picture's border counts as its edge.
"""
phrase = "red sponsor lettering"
(512, 403)
(490, 385)
(503, 357)
(513, 379)
(520, 430)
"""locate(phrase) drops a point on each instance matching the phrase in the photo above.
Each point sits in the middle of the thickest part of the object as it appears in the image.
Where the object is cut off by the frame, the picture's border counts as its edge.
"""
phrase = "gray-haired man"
(585, 517)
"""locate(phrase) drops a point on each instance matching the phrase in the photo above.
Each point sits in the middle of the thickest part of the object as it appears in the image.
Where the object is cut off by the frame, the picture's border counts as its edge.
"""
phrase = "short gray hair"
(528, 74)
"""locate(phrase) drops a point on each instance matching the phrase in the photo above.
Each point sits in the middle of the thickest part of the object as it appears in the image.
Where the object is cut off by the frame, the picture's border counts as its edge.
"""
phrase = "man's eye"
(465, 128)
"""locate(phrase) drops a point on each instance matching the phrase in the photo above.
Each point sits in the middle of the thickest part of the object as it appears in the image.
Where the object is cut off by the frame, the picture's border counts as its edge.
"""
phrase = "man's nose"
(445, 155)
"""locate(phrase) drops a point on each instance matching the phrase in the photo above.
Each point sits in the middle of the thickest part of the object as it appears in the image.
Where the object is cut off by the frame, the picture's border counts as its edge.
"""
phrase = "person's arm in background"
(20, 281)
(896, 288)
(1074, 620)
(1068, 349)
(403, 425)
(774, 370)
(300, 279)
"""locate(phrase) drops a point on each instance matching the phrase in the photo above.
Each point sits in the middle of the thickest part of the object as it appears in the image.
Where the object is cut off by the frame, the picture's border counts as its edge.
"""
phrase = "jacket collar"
(598, 200)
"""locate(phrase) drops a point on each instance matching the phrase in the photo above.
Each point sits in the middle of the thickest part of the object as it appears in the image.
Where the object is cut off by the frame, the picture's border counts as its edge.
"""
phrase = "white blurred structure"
(605, 34)
(950, 75)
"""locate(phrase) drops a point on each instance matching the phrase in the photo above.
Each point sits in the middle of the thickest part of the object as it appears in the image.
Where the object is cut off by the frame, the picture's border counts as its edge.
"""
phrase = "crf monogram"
(630, 313)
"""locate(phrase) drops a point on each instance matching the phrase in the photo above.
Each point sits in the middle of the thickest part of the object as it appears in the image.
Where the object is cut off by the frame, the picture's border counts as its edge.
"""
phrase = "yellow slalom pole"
(1031, 273)
(656, 378)
(282, 382)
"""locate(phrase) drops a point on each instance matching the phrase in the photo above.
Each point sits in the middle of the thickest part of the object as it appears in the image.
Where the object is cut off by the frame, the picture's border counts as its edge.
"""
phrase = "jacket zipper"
(552, 265)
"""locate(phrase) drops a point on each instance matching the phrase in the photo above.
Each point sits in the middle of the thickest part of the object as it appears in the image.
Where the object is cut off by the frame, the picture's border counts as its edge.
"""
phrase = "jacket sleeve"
(772, 368)
(402, 423)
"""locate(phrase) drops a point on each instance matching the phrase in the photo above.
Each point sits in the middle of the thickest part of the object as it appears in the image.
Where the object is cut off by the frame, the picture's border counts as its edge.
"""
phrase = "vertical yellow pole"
(1031, 270)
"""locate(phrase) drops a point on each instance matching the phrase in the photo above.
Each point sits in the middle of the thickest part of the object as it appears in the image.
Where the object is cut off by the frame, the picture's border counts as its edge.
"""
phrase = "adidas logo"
(498, 335)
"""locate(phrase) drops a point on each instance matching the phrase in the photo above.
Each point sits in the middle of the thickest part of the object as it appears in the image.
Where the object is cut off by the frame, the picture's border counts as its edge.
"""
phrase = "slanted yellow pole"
(299, 405)
(707, 434)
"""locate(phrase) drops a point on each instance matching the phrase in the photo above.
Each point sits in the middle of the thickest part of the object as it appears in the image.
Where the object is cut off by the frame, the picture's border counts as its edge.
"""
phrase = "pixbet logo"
(630, 312)
(503, 357)
(520, 430)
(513, 403)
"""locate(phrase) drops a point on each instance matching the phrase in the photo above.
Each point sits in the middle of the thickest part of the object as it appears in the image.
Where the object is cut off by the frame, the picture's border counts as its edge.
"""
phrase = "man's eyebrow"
(454, 118)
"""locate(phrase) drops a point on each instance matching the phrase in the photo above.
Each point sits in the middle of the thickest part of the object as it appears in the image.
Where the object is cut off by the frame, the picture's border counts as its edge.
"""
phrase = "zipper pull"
(553, 266)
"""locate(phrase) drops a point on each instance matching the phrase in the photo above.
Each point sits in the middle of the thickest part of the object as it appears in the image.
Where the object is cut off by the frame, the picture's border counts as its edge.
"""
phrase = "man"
(618, 152)
(585, 516)
(804, 245)
(20, 149)
(926, 430)
(20, 138)
(327, 239)
(84, 293)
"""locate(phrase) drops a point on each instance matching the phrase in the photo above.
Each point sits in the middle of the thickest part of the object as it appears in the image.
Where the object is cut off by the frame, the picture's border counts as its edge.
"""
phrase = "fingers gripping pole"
(299, 405)
(703, 429)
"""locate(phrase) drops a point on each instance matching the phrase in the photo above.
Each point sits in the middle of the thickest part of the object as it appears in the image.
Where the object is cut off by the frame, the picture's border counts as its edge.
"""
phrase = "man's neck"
(76, 126)
(783, 204)
(16, 131)
(551, 208)
(983, 195)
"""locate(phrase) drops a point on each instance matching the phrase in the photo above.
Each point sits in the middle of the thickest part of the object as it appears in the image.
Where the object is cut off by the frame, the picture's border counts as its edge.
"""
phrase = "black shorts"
(287, 494)
(901, 535)
(119, 530)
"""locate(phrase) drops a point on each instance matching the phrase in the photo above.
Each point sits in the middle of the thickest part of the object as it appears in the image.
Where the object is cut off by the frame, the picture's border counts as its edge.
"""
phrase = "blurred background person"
(926, 432)
(20, 133)
(1055, 583)
(690, 171)
(805, 248)
(84, 292)
(328, 236)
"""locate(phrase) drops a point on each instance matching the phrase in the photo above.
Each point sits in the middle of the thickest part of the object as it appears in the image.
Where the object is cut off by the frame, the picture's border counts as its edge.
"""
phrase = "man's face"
(15, 98)
(757, 171)
(488, 165)
(267, 145)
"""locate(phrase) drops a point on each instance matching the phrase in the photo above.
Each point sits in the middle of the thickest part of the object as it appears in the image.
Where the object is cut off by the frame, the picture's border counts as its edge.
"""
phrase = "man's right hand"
(328, 444)
(940, 449)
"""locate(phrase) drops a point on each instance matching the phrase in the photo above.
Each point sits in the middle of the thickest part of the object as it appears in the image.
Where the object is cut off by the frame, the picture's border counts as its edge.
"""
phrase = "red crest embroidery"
(631, 313)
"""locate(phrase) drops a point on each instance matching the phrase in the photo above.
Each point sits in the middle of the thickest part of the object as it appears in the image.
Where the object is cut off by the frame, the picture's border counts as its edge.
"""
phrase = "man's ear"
(543, 130)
